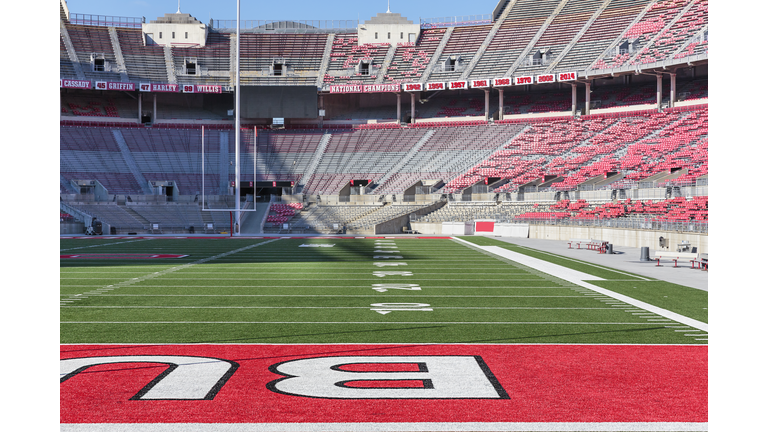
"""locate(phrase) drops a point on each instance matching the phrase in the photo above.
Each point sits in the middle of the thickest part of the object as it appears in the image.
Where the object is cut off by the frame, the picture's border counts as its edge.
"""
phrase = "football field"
(385, 333)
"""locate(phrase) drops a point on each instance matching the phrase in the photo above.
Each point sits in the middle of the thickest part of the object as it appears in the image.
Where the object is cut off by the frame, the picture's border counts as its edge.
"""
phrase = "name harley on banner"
(159, 88)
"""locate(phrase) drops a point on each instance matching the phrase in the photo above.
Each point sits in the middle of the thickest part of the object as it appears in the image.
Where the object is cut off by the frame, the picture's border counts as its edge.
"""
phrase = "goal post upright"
(237, 210)
(237, 125)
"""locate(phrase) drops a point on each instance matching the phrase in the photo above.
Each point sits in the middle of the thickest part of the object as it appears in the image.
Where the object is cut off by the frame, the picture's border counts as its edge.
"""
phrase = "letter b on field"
(388, 377)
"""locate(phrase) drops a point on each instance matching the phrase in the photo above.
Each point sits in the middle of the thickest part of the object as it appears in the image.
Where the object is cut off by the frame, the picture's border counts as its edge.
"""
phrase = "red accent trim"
(545, 383)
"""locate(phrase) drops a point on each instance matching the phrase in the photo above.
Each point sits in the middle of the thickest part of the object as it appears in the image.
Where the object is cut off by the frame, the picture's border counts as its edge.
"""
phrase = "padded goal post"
(237, 186)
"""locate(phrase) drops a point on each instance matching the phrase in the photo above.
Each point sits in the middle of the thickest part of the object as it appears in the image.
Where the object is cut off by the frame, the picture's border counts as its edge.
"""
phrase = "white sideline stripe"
(578, 278)
(589, 264)
(535, 263)
(386, 427)
(365, 322)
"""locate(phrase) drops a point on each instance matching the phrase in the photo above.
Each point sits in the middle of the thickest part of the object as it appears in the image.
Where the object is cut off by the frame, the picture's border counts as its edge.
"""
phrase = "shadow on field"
(284, 251)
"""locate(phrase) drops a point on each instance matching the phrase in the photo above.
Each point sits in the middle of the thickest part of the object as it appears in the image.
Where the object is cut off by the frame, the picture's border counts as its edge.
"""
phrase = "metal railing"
(619, 223)
(286, 24)
(463, 20)
(105, 21)
(634, 224)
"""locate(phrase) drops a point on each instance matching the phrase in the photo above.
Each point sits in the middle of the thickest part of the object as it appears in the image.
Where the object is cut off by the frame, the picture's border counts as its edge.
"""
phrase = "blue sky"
(204, 10)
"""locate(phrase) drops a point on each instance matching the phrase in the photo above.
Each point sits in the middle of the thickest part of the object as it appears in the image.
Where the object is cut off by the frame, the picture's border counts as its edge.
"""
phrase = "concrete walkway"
(623, 258)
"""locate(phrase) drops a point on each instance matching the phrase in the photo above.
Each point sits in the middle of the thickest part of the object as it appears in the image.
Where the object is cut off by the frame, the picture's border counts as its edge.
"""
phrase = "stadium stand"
(632, 157)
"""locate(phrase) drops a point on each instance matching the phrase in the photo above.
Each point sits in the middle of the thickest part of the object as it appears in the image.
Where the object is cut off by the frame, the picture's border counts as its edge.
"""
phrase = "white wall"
(366, 33)
(196, 33)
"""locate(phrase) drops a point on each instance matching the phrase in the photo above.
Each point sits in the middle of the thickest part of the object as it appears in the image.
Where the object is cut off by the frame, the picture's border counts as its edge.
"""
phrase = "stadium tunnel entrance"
(262, 190)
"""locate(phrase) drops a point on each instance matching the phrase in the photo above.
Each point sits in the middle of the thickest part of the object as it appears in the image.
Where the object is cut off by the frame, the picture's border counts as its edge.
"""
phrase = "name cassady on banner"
(75, 84)
(262, 383)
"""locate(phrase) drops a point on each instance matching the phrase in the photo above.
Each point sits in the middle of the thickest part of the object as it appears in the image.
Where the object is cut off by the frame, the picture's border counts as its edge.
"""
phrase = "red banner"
(482, 83)
(436, 86)
(76, 84)
(109, 85)
(159, 88)
(365, 88)
(195, 88)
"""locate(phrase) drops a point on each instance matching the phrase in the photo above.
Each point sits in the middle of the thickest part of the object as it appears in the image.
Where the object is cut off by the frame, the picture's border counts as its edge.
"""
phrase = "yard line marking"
(310, 278)
(103, 244)
(321, 295)
(578, 278)
(367, 322)
(167, 271)
(330, 307)
(389, 427)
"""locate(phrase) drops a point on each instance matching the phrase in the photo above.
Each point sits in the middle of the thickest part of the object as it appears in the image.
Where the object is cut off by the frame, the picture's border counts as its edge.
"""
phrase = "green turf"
(239, 290)
(680, 299)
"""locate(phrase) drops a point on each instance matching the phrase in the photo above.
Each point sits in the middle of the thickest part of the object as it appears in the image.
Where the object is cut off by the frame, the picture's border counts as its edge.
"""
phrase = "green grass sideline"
(680, 299)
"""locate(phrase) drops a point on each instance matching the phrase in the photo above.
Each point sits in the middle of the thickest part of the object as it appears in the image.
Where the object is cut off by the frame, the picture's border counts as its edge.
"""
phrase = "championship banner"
(457, 85)
(481, 83)
(413, 87)
(567, 76)
(436, 86)
(109, 85)
(365, 88)
(502, 82)
(76, 84)
(543, 79)
(523, 80)
(159, 88)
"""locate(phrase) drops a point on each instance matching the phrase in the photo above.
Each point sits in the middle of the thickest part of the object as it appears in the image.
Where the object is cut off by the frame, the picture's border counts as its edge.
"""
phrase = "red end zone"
(382, 383)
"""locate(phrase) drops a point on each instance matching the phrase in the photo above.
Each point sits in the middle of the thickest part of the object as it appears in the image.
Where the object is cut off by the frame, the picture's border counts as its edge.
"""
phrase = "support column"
(672, 89)
(321, 102)
(399, 114)
(487, 102)
(413, 107)
(573, 99)
(154, 107)
(501, 104)
(139, 107)
(658, 91)
(587, 98)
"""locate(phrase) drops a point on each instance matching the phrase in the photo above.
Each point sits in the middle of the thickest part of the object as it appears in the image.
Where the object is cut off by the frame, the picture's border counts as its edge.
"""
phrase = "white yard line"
(389, 427)
(578, 278)
(369, 322)
(132, 281)
(102, 244)
(334, 307)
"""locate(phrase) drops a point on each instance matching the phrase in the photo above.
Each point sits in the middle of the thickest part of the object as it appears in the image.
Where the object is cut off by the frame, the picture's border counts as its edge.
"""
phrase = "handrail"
(105, 20)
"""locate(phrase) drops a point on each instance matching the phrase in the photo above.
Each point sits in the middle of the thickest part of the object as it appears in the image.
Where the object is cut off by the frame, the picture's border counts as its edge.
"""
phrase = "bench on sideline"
(598, 245)
(694, 258)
